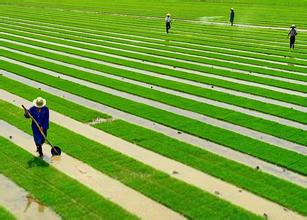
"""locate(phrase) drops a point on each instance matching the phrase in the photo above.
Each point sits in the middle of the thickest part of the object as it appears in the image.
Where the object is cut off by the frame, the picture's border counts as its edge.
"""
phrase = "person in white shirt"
(168, 22)
(292, 34)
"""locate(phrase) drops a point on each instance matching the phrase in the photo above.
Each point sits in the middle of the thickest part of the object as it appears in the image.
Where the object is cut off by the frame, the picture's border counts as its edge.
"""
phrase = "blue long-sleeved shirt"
(42, 119)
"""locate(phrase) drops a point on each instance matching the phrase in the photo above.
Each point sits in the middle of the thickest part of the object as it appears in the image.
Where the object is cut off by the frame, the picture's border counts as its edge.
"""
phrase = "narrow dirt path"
(189, 114)
(184, 173)
(20, 203)
(109, 188)
(196, 141)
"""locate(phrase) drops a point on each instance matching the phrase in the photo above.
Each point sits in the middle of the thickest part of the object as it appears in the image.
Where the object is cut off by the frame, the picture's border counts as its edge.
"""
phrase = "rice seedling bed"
(273, 154)
(207, 93)
(204, 58)
(255, 123)
(162, 60)
(198, 41)
(6, 215)
(287, 194)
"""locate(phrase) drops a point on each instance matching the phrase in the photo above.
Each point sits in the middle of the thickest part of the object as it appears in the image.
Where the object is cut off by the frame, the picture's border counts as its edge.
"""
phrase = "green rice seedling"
(6, 215)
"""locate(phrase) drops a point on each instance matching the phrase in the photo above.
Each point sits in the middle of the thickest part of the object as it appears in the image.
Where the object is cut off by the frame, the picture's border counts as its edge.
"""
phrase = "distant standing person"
(231, 16)
(292, 34)
(168, 22)
(40, 113)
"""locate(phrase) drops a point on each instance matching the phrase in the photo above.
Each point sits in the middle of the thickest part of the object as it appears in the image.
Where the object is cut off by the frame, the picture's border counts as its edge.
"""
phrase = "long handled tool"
(55, 150)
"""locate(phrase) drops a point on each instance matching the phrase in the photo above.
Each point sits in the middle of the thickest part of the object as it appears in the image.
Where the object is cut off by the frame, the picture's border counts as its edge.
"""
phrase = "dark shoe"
(40, 151)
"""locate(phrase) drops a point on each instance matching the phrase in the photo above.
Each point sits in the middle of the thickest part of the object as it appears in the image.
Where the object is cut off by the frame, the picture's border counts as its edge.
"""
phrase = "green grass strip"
(222, 54)
(181, 197)
(161, 60)
(207, 93)
(144, 40)
(54, 189)
(5, 214)
(289, 133)
(235, 173)
(122, 28)
(76, 111)
(265, 185)
(267, 152)
(204, 58)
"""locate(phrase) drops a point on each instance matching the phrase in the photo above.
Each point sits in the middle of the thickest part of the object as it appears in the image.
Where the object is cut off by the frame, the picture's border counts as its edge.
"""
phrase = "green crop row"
(145, 41)
(202, 92)
(260, 183)
(256, 12)
(262, 125)
(54, 189)
(202, 57)
(248, 35)
(181, 197)
(270, 153)
(184, 39)
(188, 38)
(6, 215)
(160, 59)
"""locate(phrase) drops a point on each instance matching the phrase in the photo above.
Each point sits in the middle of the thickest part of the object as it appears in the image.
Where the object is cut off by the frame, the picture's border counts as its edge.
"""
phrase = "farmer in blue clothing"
(41, 114)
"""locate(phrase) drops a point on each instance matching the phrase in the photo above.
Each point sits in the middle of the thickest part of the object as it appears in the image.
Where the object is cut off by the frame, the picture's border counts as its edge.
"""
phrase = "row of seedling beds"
(188, 38)
(250, 179)
(274, 154)
(255, 123)
(166, 58)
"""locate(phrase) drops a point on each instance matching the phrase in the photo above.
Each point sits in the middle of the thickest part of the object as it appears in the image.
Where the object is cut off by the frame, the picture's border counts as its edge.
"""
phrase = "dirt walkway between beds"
(21, 204)
(109, 188)
(182, 172)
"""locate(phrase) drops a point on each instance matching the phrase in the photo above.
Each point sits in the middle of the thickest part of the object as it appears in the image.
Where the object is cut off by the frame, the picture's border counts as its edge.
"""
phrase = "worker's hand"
(41, 128)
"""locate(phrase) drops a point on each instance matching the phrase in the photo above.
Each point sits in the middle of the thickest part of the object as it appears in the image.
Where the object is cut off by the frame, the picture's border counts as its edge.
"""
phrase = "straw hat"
(231, 9)
(293, 26)
(39, 102)
(168, 14)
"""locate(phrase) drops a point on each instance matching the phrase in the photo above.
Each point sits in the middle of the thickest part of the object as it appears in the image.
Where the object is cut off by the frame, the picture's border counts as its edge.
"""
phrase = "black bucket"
(56, 151)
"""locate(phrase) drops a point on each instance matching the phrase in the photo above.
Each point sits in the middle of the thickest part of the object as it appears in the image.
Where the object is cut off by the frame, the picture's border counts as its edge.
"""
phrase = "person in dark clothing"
(168, 22)
(292, 34)
(40, 113)
(232, 16)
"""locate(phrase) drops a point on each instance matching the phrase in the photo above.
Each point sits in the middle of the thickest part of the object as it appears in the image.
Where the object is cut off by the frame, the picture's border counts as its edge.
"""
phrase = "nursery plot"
(183, 173)
(198, 142)
(208, 121)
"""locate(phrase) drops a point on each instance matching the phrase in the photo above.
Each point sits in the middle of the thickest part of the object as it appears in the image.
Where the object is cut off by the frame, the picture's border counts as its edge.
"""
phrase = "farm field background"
(206, 122)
